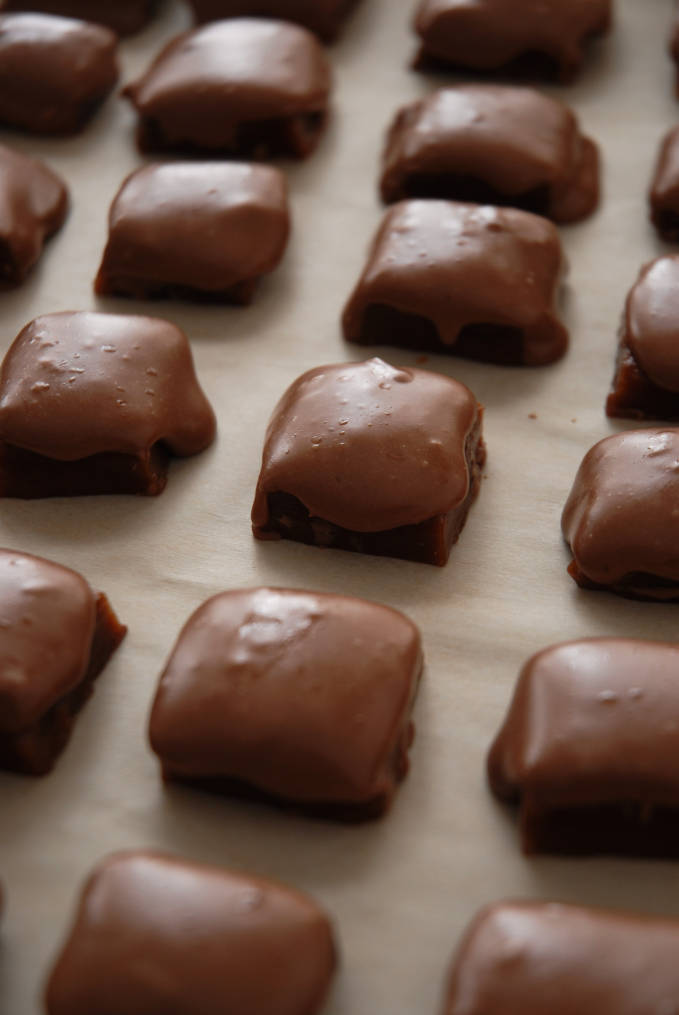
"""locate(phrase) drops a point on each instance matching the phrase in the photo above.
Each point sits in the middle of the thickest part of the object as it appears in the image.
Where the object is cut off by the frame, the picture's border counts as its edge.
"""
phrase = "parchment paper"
(400, 890)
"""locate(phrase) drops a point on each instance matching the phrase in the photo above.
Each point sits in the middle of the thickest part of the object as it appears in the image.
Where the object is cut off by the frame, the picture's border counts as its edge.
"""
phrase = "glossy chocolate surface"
(543, 37)
(620, 518)
(240, 87)
(33, 206)
(664, 194)
(195, 230)
(301, 696)
(495, 144)
(54, 71)
(534, 958)
(123, 16)
(323, 17)
(474, 280)
(158, 934)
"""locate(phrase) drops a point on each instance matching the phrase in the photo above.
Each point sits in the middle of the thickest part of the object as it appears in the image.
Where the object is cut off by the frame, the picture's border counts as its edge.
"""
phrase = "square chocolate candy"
(589, 747)
(154, 933)
(323, 17)
(123, 16)
(195, 230)
(56, 636)
(372, 458)
(664, 194)
(298, 698)
(473, 280)
(243, 87)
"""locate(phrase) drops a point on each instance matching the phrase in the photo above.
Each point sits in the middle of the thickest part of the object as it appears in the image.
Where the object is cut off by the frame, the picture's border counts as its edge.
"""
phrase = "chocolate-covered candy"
(195, 230)
(473, 280)
(664, 194)
(97, 403)
(373, 458)
(33, 206)
(674, 47)
(496, 145)
(158, 934)
(620, 518)
(589, 746)
(243, 87)
(297, 697)
(54, 72)
(646, 381)
(530, 958)
(538, 38)
(323, 17)
(123, 16)
(56, 636)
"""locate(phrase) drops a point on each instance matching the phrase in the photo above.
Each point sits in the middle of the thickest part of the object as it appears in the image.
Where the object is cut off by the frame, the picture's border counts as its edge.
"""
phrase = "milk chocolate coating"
(664, 194)
(541, 38)
(620, 518)
(323, 17)
(123, 16)
(54, 72)
(154, 934)
(195, 230)
(646, 382)
(589, 746)
(474, 280)
(33, 206)
(494, 144)
(241, 87)
(534, 958)
(303, 697)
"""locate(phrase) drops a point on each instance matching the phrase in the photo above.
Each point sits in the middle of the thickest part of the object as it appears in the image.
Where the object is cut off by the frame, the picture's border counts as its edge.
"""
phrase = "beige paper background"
(400, 890)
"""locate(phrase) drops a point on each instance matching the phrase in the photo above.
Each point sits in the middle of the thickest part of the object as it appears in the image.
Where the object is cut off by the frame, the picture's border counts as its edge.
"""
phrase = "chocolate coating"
(674, 48)
(158, 934)
(589, 746)
(530, 958)
(493, 144)
(241, 87)
(124, 16)
(323, 17)
(194, 230)
(474, 280)
(664, 194)
(54, 72)
(33, 206)
(620, 516)
(303, 697)
(543, 38)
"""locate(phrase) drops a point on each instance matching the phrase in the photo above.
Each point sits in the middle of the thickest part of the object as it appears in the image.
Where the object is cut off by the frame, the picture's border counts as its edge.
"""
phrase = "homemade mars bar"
(154, 933)
(473, 280)
(243, 88)
(494, 145)
(124, 16)
(56, 636)
(97, 403)
(372, 458)
(664, 194)
(322, 17)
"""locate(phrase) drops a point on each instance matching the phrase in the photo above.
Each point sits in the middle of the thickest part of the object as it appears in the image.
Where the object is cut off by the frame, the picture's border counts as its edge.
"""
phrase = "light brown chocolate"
(54, 72)
(301, 698)
(492, 144)
(33, 206)
(124, 16)
(620, 518)
(530, 958)
(95, 403)
(242, 87)
(664, 193)
(536, 38)
(195, 230)
(370, 457)
(154, 933)
(473, 280)
(323, 17)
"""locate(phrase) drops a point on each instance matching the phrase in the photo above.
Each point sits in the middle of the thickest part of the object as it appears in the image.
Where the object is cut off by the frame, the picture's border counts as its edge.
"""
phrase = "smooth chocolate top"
(123, 16)
(303, 695)
(204, 225)
(534, 958)
(591, 722)
(47, 618)
(620, 518)
(209, 80)
(369, 446)
(665, 186)
(53, 70)
(487, 34)
(461, 264)
(33, 205)
(157, 934)
(650, 326)
(324, 17)
(77, 384)
(513, 139)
